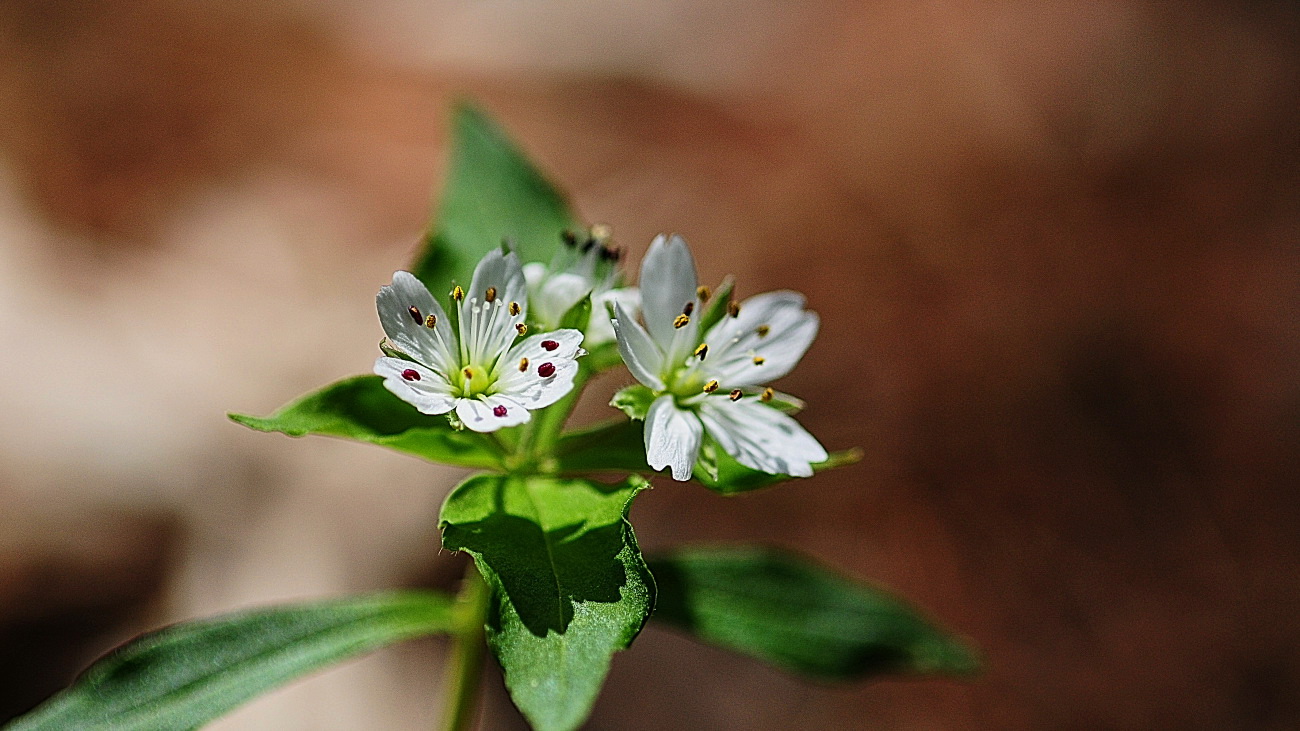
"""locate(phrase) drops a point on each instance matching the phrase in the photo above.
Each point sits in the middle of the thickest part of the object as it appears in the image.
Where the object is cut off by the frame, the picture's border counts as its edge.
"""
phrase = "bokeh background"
(1054, 246)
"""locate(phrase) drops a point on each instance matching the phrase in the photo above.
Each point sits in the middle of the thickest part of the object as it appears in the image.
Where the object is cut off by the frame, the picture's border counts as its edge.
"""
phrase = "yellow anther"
(711, 386)
(735, 395)
(703, 293)
(768, 393)
(763, 330)
(514, 308)
(523, 364)
(469, 373)
(458, 294)
(521, 328)
(702, 351)
(733, 309)
(688, 309)
(430, 321)
(681, 321)
(759, 360)
(490, 295)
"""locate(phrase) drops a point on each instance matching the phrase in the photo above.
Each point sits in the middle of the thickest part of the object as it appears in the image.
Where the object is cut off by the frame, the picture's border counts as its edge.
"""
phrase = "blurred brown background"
(1054, 246)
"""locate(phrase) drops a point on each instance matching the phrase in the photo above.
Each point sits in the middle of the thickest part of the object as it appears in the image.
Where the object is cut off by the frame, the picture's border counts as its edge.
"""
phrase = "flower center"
(474, 380)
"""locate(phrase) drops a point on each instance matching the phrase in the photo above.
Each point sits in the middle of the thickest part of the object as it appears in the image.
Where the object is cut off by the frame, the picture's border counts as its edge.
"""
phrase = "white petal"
(601, 328)
(480, 413)
(735, 342)
(672, 438)
(639, 352)
(502, 272)
(760, 437)
(667, 284)
(528, 386)
(394, 302)
(430, 393)
(557, 295)
(534, 391)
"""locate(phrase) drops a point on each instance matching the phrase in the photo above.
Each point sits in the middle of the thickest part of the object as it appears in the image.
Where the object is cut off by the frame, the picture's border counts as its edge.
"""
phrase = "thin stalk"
(465, 669)
(551, 420)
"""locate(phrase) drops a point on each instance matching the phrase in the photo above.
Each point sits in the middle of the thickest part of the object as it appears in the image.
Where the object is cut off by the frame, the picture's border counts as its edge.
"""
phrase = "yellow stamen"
(681, 321)
(733, 309)
(735, 395)
(702, 351)
(521, 328)
(431, 321)
(759, 360)
(763, 330)
(514, 308)
(523, 364)
(490, 295)
(703, 293)
(469, 373)
(768, 393)
(711, 386)
(458, 294)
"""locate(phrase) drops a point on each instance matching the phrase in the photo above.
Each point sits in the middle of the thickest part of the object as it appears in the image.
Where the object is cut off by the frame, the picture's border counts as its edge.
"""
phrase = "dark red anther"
(499, 411)
(546, 370)
(549, 345)
(411, 374)
(415, 314)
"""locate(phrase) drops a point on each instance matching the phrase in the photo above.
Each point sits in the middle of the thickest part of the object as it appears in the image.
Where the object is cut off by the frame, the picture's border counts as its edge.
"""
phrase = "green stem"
(551, 420)
(465, 670)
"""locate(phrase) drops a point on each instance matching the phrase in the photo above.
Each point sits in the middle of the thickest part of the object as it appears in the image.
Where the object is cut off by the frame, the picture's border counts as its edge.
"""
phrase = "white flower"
(490, 380)
(707, 383)
(581, 266)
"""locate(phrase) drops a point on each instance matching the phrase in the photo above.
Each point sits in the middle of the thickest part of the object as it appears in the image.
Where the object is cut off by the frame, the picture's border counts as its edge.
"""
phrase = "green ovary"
(474, 380)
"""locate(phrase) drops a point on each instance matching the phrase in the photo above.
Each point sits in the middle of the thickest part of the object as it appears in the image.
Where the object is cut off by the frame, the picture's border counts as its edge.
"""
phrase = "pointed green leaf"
(361, 408)
(579, 315)
(619, 447)
(569, 585)
(794, 613)
(185, 675)
(634, 401)
(492, 194)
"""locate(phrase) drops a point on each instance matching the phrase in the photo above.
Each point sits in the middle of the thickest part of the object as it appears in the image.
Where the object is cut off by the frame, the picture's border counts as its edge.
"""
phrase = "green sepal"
(188, 674)
(716, 308)
(360, 408)
(634, 401)
(493, 193)
(792, 612)
(569, 585)
(579, 315)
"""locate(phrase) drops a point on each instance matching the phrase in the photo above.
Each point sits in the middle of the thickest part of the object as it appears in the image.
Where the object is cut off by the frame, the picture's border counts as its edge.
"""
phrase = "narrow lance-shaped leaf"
(796, 614)
(492, 194)
(619, 447)
(184, 676)
(569, 585)
(361, 408)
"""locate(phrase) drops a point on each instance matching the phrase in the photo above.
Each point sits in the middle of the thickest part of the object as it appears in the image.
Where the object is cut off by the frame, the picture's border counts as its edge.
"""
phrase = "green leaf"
(634, 401)
(618, 446)
(569, 585)
(796, 614)
(185, 675)
(361, 408)
(493, 193)
(579, 315)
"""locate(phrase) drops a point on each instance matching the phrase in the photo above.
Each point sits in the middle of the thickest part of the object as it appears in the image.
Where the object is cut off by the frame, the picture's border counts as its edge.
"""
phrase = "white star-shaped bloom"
(707, 383)
(478, 369)
(582, 266)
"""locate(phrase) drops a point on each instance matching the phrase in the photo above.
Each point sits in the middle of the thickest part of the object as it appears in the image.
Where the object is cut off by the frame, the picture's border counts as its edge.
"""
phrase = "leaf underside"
(183, 676)
(796, 614)
(569, 585)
